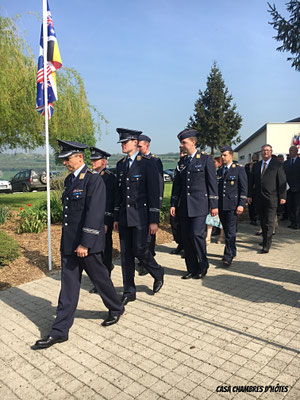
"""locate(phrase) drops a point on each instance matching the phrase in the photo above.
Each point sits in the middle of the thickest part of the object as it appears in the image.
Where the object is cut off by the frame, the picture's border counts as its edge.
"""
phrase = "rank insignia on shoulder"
(233, 165)
(198, 156)
(138, 158)
(82, 175)
(102, 173)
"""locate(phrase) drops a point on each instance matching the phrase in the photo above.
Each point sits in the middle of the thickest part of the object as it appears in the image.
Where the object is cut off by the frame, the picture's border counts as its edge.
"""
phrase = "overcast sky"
(144, 61)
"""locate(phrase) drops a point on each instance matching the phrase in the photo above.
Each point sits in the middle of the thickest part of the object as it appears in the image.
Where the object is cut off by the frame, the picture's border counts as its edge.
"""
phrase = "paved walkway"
(237, 327)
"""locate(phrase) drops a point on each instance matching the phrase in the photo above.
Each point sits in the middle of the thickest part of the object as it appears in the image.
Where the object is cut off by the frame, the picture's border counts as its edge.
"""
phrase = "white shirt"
(263, 164)
(77, 172)
(133, 158)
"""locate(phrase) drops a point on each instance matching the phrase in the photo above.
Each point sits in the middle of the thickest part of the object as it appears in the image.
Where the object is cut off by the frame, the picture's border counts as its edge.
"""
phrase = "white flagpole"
(45, 47)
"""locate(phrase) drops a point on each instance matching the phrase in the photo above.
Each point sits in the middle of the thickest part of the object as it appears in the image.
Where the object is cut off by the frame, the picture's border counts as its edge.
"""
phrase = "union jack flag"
(53, 64)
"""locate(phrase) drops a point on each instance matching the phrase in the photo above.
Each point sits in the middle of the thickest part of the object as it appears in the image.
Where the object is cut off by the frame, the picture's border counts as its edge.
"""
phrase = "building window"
(242, 157)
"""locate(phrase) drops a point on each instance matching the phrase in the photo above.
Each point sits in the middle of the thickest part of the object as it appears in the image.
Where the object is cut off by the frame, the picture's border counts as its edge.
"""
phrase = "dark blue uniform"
(194, 192)
(137, 205)
(110, 181)
(83, 223)
(158, 164)
(233, 187)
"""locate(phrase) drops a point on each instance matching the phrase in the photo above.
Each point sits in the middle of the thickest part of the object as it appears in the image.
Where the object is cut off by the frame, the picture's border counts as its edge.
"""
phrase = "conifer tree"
(215, 118)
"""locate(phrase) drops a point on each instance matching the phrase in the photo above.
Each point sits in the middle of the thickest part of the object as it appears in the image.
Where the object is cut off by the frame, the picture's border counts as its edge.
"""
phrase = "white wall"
(278, 135)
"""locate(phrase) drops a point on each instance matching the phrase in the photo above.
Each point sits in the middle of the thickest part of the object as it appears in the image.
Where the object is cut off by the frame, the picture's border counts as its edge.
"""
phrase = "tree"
(20, 124)
(288, 31)
(215, 119)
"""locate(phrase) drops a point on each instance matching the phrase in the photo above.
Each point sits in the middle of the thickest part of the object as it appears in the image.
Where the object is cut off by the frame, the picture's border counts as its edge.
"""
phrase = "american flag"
(53, 64)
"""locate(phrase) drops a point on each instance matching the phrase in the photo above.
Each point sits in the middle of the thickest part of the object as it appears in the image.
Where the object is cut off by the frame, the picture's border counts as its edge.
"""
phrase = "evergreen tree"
(288, 31)
(215, 118)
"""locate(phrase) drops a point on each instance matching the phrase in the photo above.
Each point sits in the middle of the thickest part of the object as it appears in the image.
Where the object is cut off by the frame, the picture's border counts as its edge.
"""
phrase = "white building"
(281, 136)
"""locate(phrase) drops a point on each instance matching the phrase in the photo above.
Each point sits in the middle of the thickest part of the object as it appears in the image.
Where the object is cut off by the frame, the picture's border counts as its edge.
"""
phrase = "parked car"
(28, 180)
(5, 186)
(169, 172)
(167, 177)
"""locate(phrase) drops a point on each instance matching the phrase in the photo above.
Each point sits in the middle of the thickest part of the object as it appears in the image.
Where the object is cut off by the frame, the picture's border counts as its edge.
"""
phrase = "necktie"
(189, 159)
(73, 177)
(264, 169)
(225, 171)
(292, 162)
(128, 163)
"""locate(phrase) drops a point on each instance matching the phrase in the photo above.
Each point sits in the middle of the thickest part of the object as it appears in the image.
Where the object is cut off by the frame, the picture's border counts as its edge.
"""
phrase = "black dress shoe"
(265, 250)
(47, 342)
(143, 271)
(125, 300)
(188, 275)
(93, 290)
(177, 250)
(111, 320)
(158, 284)
(258, 233)
(227, 262)
(202, 274)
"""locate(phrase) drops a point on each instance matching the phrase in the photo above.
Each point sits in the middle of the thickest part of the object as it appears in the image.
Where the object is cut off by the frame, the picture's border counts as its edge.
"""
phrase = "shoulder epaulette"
(154, 156)
(107, 171)
(89, 170)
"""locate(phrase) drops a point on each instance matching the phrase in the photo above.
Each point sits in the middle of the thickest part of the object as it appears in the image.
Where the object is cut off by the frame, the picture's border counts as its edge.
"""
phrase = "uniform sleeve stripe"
(91, 231)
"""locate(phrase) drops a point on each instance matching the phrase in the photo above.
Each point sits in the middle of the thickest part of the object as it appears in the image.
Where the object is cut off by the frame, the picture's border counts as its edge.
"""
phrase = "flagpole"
(45, 48)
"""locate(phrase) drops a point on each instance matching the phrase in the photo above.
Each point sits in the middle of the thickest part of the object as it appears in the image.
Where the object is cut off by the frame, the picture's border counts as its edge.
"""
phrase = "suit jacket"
(233, 187)
(293, 174)
(269, 188)
(83, 213)
(110, 182)
(195, 188)
(138, 193)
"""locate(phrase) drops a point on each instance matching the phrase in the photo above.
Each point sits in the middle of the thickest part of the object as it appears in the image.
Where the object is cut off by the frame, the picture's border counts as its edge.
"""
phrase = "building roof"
(260, 130)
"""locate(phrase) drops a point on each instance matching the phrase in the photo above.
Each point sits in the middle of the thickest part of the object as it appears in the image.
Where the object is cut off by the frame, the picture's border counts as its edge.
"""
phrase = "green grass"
(17, 200)
(168, 190)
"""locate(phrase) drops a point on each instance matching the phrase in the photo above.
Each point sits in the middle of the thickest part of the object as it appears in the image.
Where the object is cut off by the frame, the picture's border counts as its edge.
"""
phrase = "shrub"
(32, 220)
(4, 213)
(8, 249)
(165, 210)
(55, 207)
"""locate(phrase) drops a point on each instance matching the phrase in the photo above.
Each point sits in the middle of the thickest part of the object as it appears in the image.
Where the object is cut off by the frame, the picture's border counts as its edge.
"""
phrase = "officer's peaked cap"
(187, 133)
(128, 134)
(68, 148)
(98, 153)
(225, 148)
(145, 138)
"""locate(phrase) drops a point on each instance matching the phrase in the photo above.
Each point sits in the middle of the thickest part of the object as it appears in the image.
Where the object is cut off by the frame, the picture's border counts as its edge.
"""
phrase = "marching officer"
(99, 161)
(82, 244)
(144, 149)
(194, 194)
(233, 187)
(136, 212)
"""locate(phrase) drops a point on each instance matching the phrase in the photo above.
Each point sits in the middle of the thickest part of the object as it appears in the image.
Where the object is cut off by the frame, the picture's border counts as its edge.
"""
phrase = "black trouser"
(134, 243)
(194, 242)
(267, 220)
(293, 206)
(229, 223)
(107, 256)
(71, 273)
(176, 230)
(252, 211)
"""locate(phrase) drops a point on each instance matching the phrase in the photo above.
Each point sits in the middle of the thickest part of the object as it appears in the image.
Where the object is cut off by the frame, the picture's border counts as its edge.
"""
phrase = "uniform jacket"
(293, 174)
(233, 188)
(83, 213)
(271, 187)
(138, 193)
(195, 185)
(158, 164)
(110, 181)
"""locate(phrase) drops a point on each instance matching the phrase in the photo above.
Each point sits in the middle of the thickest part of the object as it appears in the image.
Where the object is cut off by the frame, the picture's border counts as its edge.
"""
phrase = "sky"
(143, 62)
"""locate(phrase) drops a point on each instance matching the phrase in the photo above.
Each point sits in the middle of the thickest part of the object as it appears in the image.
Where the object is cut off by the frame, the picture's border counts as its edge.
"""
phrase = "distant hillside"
(10, 164)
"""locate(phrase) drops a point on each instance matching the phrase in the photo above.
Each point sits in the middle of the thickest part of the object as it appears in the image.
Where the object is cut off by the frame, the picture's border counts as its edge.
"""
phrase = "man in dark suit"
(99, 162)
(267, 184)
(82, 244)
(292, 171)
(136, 212)
(233, 187)
(194, 195)
(251, 207)
(144, 149)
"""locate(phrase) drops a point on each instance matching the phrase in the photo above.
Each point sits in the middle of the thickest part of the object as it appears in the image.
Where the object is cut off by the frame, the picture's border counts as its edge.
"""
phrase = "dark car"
(28, 180)
(169, 172)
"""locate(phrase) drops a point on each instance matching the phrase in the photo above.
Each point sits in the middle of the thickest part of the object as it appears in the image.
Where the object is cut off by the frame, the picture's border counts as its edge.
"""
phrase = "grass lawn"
(17, 200)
